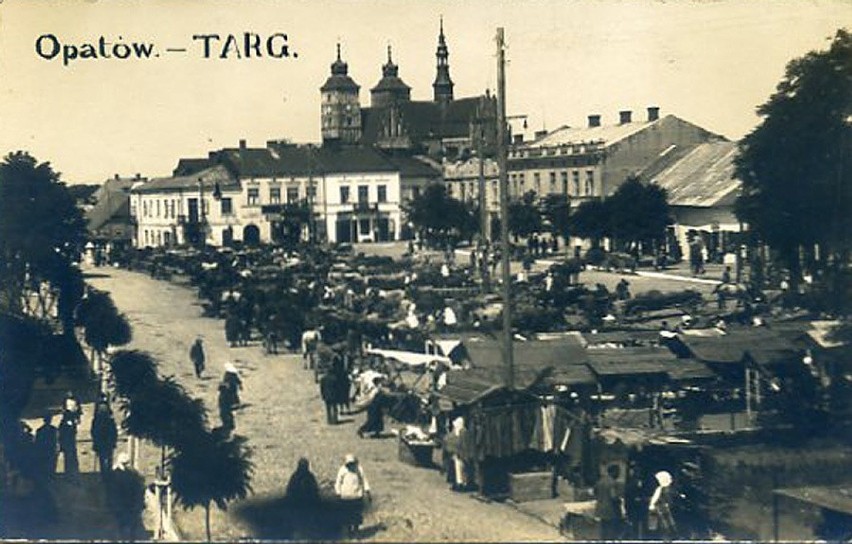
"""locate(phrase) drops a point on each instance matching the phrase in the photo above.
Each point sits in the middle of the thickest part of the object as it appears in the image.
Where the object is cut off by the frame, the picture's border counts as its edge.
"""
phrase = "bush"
(595, 256)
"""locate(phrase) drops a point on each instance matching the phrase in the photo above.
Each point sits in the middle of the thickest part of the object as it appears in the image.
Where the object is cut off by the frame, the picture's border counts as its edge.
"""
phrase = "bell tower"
(443, 86)
(341, 108)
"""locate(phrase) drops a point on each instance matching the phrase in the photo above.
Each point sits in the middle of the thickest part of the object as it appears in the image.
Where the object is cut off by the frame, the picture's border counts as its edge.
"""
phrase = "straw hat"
(349, 459)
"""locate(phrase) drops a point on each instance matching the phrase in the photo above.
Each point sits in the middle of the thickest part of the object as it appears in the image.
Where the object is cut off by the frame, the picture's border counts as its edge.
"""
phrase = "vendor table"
(417, 453)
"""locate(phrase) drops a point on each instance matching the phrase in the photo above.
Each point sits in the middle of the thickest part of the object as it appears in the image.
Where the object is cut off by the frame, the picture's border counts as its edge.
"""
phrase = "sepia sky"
(709, 62)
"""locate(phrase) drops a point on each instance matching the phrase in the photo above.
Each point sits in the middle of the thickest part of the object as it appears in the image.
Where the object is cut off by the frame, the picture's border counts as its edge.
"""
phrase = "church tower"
(443, 86)
(341, 109)
(390, 89)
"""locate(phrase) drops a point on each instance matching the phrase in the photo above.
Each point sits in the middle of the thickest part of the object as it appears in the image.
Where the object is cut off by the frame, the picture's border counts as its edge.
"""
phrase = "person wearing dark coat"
(68, 443)
(330, 393)
(46, 441)
(303, 489)
(226, 406)
(104, 437)
(196, 355)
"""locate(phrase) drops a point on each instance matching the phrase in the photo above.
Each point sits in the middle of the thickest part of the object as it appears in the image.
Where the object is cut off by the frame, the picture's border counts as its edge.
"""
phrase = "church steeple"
(340, 108)
(391, 89)
(443, 86)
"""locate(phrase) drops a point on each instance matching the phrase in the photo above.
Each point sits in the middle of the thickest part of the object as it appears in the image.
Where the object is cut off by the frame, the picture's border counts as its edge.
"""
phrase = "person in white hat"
(352, 487)
(660, 519)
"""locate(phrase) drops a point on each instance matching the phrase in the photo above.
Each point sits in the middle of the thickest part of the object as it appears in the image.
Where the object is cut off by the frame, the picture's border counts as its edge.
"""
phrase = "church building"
(444, 127)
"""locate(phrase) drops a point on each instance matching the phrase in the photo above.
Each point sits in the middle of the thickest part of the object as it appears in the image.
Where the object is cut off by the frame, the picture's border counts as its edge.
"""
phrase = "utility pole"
(508, 355)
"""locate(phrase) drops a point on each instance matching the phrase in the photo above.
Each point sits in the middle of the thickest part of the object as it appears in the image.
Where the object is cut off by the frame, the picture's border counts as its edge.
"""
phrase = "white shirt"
(351, 484)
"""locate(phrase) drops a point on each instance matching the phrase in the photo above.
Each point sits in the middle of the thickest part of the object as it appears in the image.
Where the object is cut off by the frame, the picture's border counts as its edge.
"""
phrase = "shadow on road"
(275, 517)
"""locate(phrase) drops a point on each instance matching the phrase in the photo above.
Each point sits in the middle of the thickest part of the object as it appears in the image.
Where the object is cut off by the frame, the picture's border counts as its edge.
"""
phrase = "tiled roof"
(703, 177)
(215, 174)
(765, 346)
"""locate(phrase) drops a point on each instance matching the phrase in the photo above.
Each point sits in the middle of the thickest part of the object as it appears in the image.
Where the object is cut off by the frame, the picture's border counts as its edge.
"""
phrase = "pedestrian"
(196, 355)
(104, 437)
(231, 378)
(352, 488)
(660, 520)
(226, 406)
(310, 341)
(71, 408)
(330, 393)
(726, 275)
(609, 505)
(46, 441)
(68, 441)
(375, 422)
(126, 496)
(636, 501)
(720, 299)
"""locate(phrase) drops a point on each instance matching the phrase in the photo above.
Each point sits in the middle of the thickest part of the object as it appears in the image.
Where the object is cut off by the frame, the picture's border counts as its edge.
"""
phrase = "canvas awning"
(410, 358)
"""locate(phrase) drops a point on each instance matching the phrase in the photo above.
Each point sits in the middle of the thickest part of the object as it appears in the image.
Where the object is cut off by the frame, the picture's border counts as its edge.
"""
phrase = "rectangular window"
(363, 193)
(590, 182)
(537, 183)
(275, 195)
(553, 182)
(227, 206)
(253, 196)
(564, 183)
(292, 195)
(494, 190)
(575, 175)
(415, 191)
(344, 195)
(312, 192)
(382, 193)
(158, 208)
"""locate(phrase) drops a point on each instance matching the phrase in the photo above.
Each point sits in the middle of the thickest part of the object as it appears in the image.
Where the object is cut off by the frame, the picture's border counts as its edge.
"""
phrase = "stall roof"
(410, 358)
(764, 345)
(837, 498)
(468, 386)
(688, 369)
(621, 337)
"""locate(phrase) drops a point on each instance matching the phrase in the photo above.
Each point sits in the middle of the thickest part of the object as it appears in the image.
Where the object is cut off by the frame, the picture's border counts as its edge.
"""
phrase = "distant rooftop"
(702, 177)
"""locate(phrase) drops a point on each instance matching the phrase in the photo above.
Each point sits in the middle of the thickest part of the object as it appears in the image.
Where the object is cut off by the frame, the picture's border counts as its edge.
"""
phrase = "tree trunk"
(207, 520)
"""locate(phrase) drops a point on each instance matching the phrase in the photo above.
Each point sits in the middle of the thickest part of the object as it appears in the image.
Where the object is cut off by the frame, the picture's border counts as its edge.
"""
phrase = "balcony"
(365, 207)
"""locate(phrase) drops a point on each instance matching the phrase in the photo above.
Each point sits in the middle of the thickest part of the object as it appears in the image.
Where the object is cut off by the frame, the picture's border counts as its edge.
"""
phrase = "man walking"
(104, 437)
(196, 355)
(46, 438)
(610, 508)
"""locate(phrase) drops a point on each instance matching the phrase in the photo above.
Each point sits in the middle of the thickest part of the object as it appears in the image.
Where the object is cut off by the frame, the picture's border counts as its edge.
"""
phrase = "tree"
(795, 165)
(638, 214)
(591, 220)
(41, 229)
(104, 325)
(212, 469)
(524, 217)
(557, 212)
(440, 217)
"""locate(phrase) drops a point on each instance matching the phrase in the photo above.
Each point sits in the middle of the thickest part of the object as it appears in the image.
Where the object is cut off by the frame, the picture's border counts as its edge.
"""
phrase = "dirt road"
(284, 420)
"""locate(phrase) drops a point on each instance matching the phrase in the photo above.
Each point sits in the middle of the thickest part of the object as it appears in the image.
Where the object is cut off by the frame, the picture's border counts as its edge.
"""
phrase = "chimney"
(594, 121)
(624, 117)
(242, 145)
(517, 138)
(653, 113)
(540, 134)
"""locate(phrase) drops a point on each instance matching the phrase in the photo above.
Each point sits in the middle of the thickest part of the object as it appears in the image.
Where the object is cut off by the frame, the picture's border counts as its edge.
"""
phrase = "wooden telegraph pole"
(508, 355)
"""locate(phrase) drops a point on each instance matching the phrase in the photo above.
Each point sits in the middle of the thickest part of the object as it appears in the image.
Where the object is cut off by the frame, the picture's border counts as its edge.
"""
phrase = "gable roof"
(414, 167)
(602, 134)
(703, 177)
(112, 201)
(187, 167)
(213, 175)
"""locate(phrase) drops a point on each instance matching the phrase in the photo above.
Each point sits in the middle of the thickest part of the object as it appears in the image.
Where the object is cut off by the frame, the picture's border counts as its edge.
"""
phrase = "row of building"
(374, 159)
